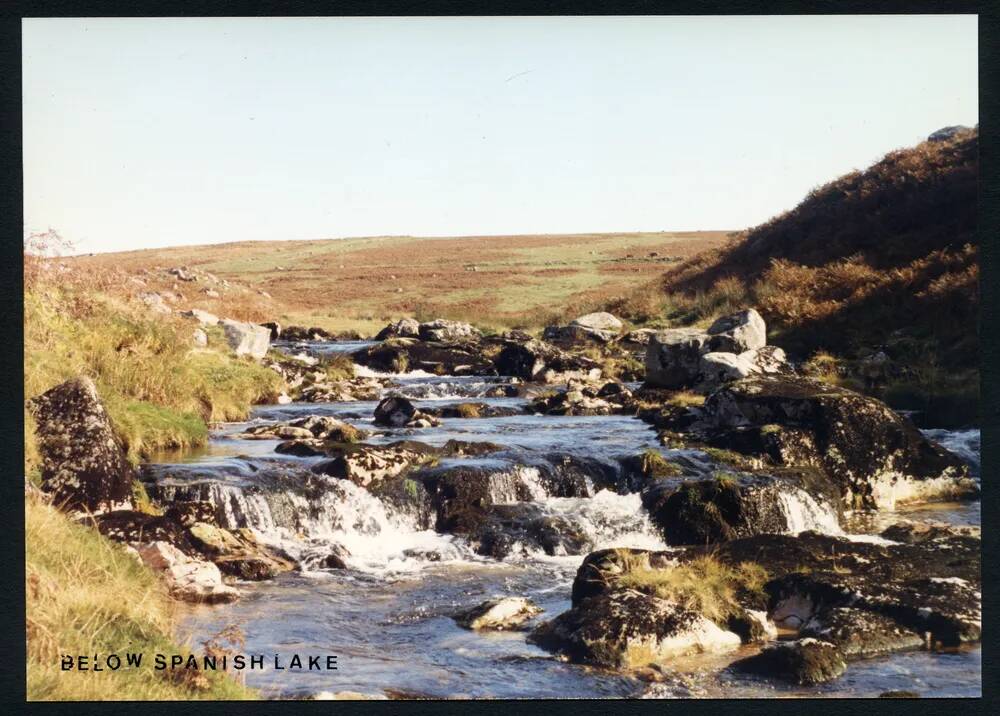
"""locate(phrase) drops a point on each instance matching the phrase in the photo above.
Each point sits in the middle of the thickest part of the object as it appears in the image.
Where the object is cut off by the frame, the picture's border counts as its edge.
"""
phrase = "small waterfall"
(964, 443)
(803, 513)
(341, 517)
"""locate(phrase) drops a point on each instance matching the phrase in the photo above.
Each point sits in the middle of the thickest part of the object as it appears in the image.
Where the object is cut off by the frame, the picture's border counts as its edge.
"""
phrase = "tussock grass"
(159, 391)
(654, 465)
(338, 366)
(704, 584)
(87, 595)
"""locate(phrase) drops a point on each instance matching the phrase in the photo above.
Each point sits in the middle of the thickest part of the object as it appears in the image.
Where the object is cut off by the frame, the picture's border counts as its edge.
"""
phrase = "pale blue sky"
(157, 132)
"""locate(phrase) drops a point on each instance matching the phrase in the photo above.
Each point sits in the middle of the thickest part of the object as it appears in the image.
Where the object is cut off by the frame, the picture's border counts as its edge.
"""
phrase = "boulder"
(399, 355)
(403, 328)
(84, 465)
(540, 361)
(627, 629)
(718, 368)
(524, 528)
(274, 327)
(731, 506)
(673, 357)
(498, 614)
(600, 321)
(442, 330)
(199, 337)
(946, 133)
(367, 465)
(804, 662)
(876, 457)
(246, 338)
(572, 336)
(203, 317)
(394, 412)
(187, 578)
(155, 302)
(738, 332)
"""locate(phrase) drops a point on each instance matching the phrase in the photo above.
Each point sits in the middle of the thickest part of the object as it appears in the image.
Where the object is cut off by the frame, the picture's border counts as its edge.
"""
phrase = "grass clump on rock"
(704, 584)
(654, 465)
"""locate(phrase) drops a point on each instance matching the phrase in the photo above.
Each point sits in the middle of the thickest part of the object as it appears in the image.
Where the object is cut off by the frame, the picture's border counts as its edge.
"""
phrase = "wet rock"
(398, 412)
(627, 629)
(803, 662)
(365, 465)
(84, 466)
(399, 355)
(187, 578)
(441, 330)
(575, 400)
(461, 495)
(877, 458)
(303, 333)
(540, 361)
(752, 626)
(861, 633)
(246, 338)
(403, 328)
(275, 328)
(474, 410)
(394, 412)
(312, 430)
(498, 614)
(187, 512)
(525, 528)
(733, 506)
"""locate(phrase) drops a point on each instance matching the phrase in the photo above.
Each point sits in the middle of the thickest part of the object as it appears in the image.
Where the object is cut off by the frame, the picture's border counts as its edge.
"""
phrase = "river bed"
(387, 617)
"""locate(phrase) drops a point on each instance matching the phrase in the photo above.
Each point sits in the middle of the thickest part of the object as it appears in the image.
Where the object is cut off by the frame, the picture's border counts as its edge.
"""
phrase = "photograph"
(485, 357)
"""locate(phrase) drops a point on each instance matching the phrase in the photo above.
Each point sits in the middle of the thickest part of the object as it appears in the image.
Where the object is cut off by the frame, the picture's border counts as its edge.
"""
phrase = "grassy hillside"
(359, 284)
(884, 259)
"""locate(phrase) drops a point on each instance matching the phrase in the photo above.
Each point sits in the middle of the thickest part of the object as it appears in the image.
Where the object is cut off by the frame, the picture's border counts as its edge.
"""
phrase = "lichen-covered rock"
(718, 368)
(626, 629)
(738, 332)
(441, 330)
(84, 464)
(721, 509)
(876, 457)
(246, 338)
(803, 662)
(399, 355)
(366, 465)
(321, 428)
(673, 357)
(599, 321)
(524, 528)
(403, 328)
(498, 614)
(394, 412)
(536, 360)
(203, 317)
(187, 578)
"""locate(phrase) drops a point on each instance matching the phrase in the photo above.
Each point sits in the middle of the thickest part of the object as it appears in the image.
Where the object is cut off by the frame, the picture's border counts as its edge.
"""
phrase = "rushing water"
(388, 616)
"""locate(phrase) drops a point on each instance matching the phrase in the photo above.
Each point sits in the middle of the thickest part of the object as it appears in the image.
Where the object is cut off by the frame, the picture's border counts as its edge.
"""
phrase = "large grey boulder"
(946, 133)
(403, 328)
(600, 321)
(738, 332)
(84, 464)
(246, 338)
(445, 330)
(718, 368)
(673, 356)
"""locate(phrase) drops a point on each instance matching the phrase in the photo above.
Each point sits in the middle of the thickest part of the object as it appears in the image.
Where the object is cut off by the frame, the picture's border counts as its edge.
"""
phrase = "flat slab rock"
(626, 629)
(498, 614)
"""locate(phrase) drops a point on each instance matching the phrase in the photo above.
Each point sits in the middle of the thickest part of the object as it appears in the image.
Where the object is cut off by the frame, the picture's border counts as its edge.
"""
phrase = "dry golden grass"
(704, 584)
(86, 595)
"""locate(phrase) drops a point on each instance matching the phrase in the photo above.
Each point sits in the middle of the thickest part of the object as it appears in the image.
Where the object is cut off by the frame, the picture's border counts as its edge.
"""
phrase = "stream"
(388, 616)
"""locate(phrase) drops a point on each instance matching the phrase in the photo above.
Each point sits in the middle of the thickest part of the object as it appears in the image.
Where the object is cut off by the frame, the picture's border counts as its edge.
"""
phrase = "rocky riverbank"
(709, 503)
